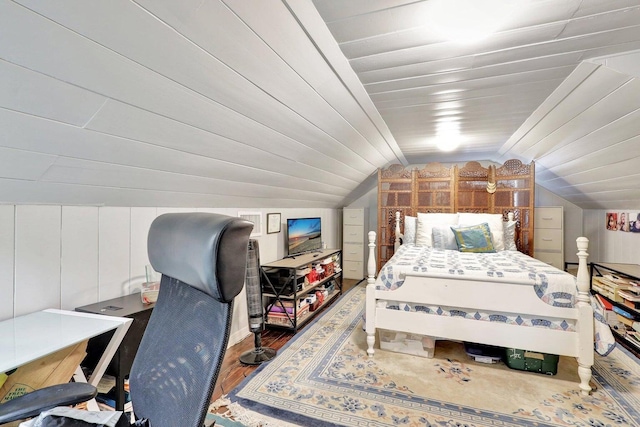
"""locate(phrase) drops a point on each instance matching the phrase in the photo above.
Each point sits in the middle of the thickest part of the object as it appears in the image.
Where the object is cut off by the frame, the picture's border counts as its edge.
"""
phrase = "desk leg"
(113, 345)
(119, 393)
(78, 376)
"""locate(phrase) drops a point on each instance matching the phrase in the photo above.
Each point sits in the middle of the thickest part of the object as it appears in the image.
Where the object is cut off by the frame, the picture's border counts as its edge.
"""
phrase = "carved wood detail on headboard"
(471, 188)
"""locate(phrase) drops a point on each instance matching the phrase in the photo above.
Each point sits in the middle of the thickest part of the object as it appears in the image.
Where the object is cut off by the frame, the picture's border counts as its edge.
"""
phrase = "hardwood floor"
(233, 371)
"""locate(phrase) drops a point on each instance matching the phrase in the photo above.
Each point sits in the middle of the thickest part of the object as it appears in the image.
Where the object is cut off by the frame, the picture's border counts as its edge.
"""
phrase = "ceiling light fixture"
(448, 135)
(468, 20)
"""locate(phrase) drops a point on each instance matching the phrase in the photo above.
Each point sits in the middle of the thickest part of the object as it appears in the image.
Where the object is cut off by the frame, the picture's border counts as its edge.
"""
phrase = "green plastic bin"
(524, 360)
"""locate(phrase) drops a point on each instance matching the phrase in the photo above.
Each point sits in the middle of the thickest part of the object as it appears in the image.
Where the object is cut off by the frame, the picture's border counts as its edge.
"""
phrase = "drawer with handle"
(352, 233)
(353, 217)
(548, 218)
(353, 251)
(548, 239)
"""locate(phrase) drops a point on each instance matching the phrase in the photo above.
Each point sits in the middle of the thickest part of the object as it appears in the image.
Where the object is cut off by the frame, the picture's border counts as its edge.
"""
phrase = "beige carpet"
(323, 377)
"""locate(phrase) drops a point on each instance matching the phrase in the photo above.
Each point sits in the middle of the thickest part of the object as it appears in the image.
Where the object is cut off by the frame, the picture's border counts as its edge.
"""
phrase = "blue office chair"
(202, 258)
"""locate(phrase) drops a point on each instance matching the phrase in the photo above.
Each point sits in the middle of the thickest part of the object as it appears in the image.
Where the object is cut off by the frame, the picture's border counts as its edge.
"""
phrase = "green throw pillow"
(475, 238)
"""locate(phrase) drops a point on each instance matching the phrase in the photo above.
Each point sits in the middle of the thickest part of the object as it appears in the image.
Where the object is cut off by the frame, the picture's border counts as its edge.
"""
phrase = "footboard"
(472, 296)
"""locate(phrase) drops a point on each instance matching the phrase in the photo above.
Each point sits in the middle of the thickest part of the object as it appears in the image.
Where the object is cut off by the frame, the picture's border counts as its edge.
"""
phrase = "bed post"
(396, 242)
(585, 322)
(370, 299)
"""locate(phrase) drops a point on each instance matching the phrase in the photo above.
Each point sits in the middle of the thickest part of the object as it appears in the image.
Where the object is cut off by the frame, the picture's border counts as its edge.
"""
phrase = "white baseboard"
(238, 336)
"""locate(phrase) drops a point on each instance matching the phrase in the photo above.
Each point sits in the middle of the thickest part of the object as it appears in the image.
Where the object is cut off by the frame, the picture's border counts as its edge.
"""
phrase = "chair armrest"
(31, 404)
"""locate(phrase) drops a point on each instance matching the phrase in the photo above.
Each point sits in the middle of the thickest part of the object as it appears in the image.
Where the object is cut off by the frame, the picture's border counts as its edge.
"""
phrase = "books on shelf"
(633, 337)
(284, 319)
(623, 313)
(604, 303)
(609, 315)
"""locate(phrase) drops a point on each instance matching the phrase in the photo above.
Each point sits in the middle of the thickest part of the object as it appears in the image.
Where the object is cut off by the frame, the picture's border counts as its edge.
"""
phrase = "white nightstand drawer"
(548, 218)
(548, 239)
(353, 252)
(353, 270)
(353, 217)
(353, 233)
(552, 258)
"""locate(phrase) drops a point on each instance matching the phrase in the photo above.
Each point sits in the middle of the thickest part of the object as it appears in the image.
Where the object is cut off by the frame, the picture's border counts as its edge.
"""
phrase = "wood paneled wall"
(69, 256)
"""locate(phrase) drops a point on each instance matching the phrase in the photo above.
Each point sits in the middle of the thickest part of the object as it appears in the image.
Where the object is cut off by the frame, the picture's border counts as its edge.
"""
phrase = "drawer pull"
(547, 239)
(547, 218)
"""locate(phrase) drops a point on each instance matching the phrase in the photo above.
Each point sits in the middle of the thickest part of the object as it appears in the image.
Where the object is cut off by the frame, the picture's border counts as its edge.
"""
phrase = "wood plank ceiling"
(190, 103)
(585, 131)
(290, 103)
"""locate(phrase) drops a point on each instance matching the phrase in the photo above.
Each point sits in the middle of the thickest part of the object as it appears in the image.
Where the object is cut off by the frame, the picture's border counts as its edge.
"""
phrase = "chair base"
(258, 356)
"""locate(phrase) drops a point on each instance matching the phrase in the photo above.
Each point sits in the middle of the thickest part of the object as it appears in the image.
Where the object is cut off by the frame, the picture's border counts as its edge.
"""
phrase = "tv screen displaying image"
(303, 235)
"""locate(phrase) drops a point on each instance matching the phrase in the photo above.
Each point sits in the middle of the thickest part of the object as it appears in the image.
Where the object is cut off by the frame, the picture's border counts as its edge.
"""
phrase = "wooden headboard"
(449, 189)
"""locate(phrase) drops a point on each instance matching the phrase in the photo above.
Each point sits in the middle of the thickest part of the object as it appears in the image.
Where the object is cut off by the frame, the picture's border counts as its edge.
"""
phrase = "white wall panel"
(17, 191)
(114, 249)
(33, 93)
(161, 211)
(607, 245)
(222, 139)
(141, 219)
(74, 171)
(20, 164)
(25, 133)
(622, 140)
(593, 230)
(166, 72)
(79, 278)
(7, 250)
(68, 256)
(37, 259)
(260, 63)
(610, 108)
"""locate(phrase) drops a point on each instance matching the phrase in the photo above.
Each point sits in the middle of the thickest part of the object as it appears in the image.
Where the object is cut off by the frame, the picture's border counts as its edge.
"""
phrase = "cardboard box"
(401, 342)
(56, 368)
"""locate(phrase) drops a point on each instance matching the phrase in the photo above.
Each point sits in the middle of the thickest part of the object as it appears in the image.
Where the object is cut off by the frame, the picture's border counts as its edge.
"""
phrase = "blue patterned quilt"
(553, 286)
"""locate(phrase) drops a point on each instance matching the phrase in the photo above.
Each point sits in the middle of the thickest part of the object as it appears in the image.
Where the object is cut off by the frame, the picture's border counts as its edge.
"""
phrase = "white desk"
(32, 336)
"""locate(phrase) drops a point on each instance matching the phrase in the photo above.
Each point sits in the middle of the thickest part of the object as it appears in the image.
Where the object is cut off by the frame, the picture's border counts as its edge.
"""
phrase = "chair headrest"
(206, 251)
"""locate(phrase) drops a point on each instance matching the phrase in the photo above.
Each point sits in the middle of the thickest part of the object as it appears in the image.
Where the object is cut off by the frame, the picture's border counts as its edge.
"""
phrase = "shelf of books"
(617, 291)
(296, 289)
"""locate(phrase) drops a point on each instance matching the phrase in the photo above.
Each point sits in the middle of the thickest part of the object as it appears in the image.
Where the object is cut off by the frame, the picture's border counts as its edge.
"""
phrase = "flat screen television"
(303, 235)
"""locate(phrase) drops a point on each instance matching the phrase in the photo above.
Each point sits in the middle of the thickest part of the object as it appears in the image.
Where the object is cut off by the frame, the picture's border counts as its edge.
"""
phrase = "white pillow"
(426, 221)
(495, 225)
(444, 237)
(509, 228)
(410, 225)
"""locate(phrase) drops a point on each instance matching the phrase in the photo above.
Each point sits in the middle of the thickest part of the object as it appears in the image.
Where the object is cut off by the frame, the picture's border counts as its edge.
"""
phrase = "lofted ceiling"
(296, 103)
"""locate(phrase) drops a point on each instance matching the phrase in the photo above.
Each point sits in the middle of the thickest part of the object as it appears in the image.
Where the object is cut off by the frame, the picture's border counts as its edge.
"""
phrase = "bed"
(504, 298)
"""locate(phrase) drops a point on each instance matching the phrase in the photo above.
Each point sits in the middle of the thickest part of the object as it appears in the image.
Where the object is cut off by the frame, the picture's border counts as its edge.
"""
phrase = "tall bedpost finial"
(583, 282)
(396, 242)
(583, 279)
(371, 262)
(369, 317)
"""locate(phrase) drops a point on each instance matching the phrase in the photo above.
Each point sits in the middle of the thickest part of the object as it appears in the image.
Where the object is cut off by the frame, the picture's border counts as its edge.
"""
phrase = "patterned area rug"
(323, 377)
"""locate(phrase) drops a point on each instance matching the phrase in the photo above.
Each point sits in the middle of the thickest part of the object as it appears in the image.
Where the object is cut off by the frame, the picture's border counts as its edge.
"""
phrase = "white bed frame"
(497, 296)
